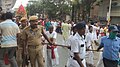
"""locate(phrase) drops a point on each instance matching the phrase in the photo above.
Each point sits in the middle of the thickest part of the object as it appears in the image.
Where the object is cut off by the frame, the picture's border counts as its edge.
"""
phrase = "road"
(64, 54)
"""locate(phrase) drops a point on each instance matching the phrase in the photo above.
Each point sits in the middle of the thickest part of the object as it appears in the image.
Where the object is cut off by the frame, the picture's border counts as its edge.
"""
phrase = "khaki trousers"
(19, 57)
(36, 54)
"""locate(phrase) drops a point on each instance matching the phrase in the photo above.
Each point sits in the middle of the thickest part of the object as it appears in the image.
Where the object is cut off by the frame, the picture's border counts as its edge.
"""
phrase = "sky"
(19, 2)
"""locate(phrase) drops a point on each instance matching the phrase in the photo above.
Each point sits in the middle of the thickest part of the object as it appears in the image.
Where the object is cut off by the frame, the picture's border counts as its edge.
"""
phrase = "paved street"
(63, 53)
(96, 22)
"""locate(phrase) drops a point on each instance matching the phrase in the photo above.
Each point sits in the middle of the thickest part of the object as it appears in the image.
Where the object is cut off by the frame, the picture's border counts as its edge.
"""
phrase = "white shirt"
(51, 35)
(86, 30)
(69, 42)
(94, 32)
(78, 45)
(101, 30)
(89, 39)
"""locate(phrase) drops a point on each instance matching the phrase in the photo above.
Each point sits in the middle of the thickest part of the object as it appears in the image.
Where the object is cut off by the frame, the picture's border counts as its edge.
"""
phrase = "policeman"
(78, 47)
(24, 22)
(19, 42)
(69, 43)
(31, 36)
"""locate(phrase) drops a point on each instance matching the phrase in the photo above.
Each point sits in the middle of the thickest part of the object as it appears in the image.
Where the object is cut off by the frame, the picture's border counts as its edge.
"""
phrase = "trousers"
(110, 63)
(19, 57)
(11, 56)
(36, 54)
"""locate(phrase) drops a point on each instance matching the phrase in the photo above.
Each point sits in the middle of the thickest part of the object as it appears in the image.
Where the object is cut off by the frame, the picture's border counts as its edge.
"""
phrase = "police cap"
(32, 18)
(23, 19)
(80, 26)
(113, 28)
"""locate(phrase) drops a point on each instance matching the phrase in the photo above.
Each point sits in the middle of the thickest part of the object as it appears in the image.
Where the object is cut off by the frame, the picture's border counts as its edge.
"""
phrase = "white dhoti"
(45, 54)
(100, 61)
(55, 61)
(73, 63)
(89, 57)
(52, 62)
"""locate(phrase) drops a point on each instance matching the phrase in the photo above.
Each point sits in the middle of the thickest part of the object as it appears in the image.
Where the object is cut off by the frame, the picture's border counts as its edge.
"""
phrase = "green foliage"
(52, 8)
(32, 9)
(60, 8)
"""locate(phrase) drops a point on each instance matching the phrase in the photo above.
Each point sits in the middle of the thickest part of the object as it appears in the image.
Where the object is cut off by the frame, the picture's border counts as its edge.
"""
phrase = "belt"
(33, 46)
(110, 60)
(75, 58)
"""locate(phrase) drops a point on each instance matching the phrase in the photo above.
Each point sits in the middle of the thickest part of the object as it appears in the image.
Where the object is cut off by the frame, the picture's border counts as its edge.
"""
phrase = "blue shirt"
(111, 48)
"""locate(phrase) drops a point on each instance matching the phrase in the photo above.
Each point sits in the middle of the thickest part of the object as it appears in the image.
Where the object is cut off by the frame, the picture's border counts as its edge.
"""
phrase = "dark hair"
(74, 27)
(1, 8)
(89, 27)
(80, 26)
(9, 15)
(92, 23)
(3, 16)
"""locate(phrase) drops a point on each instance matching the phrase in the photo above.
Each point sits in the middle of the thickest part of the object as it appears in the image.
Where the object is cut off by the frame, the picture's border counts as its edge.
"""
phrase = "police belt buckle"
(75, 58)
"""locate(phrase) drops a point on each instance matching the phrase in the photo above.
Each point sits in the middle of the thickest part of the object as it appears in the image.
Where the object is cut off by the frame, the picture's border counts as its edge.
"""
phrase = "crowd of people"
(32, 40)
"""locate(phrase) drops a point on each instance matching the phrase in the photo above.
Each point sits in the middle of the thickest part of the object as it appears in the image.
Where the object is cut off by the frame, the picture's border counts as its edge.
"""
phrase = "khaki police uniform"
(35, 48)
(77, 46)
(20, 44)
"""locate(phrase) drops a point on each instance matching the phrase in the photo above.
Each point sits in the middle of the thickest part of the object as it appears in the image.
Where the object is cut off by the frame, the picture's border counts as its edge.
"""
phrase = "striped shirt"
(8, 31)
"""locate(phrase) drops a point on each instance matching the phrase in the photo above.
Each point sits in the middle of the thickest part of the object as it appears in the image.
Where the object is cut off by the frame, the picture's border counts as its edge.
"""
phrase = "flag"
(21, 11)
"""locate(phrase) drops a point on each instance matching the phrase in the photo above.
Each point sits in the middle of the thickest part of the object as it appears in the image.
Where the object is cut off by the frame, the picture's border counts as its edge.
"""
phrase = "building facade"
(102, 9)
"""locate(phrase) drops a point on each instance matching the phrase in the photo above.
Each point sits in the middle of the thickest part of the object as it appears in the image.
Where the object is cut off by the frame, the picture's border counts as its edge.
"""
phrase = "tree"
(81, 9)
(52, 8)
(87, 4)
(34, 7)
